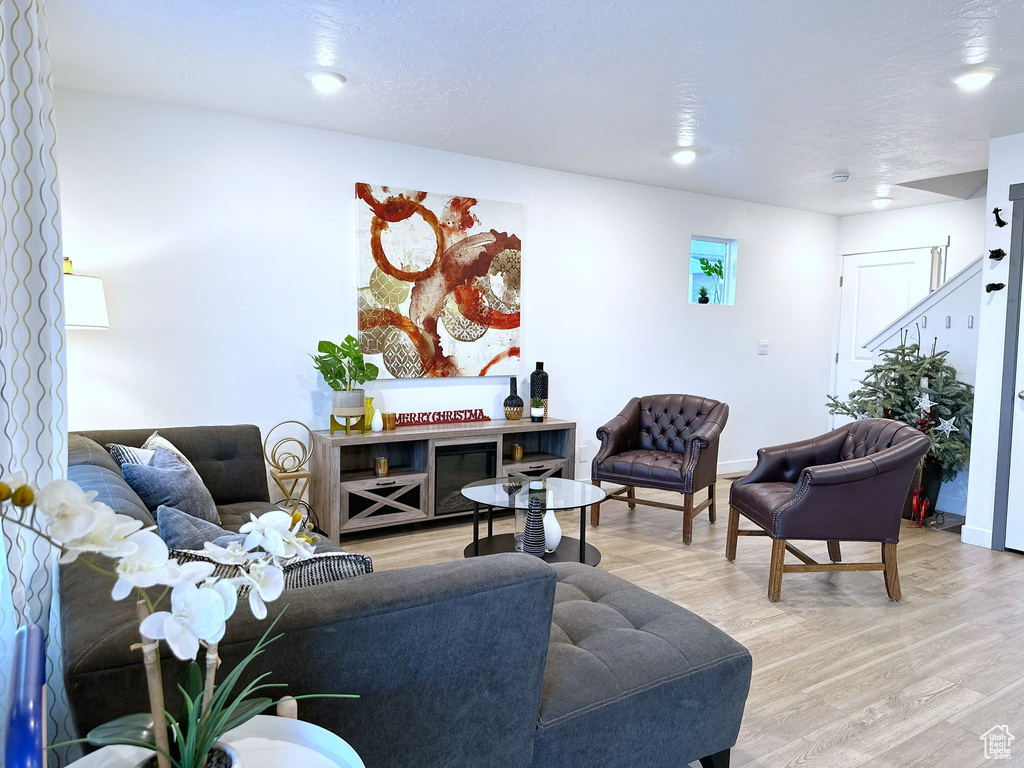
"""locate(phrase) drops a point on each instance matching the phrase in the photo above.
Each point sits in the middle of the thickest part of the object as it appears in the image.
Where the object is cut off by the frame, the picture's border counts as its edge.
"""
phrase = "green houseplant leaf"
(342, 365)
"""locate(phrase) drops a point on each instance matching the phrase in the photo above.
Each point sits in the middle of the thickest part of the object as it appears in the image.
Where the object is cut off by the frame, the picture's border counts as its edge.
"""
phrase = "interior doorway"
(875, 289)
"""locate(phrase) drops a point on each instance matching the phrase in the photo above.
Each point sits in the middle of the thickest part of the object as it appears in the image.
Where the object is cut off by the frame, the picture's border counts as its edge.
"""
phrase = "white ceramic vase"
(377, 422)
(552, 531)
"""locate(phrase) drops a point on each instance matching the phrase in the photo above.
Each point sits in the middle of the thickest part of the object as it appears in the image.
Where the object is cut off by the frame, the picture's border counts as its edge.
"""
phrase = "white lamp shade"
(85, 306)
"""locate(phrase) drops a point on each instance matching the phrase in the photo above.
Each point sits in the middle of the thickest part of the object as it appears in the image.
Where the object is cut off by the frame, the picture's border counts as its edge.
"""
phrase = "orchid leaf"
(135, 730)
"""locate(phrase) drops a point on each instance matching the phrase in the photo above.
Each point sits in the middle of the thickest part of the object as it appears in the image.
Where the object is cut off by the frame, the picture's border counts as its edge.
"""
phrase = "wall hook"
(997, 254)
(999, 220)
(994, 287)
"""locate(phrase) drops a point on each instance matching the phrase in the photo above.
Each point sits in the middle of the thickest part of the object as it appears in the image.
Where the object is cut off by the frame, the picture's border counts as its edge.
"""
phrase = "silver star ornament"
(946, 426)
(924, 402)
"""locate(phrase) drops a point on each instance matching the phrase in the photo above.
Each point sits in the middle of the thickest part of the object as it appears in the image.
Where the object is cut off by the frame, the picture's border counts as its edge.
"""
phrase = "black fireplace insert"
(456, 466)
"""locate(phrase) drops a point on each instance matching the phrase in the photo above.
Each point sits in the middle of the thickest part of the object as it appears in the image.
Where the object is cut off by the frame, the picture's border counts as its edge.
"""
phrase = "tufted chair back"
(867, 437)
(668, 421)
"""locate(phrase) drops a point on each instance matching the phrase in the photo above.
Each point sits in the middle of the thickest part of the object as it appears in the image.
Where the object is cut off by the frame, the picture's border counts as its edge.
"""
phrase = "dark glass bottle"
(513, 403)
(539, 383)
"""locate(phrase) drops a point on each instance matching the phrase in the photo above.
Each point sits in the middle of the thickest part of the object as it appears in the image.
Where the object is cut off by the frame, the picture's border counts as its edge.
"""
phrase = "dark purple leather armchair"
(668, 442)
(847, 485)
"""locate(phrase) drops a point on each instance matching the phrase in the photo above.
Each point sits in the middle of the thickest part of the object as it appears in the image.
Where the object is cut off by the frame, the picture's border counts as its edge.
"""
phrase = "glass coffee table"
(514, 493)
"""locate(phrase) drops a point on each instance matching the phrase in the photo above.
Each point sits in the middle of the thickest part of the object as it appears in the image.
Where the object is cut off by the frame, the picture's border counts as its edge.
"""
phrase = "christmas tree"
(921, 390)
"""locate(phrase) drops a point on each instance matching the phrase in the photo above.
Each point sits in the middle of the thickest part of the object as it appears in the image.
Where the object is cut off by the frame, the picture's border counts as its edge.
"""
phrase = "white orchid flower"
(197, 613)
(14, 479)
(234, 553)
(150, 564)
(109, 536)
(276, 533)
(67, 509)
(266, 583)
(229, 594)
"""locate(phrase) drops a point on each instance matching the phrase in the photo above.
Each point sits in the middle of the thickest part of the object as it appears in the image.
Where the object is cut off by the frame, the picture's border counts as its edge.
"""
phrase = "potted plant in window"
(702, 295)
(716, 271)
(342, 367)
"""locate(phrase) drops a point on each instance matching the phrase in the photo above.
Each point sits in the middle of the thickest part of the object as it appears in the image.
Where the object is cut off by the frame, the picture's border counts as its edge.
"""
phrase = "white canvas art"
(439, 283)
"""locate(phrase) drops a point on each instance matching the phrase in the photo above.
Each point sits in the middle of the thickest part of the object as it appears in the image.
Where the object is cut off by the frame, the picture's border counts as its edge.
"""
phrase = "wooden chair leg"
(775, 570)
(834, 553)
(595, 509)
(891, 573)
(687, 518)
(631, 495)
(712, 510)
(733, 535)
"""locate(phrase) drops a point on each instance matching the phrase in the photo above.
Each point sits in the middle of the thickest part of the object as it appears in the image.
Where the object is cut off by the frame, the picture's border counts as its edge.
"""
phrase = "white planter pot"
(355, 398)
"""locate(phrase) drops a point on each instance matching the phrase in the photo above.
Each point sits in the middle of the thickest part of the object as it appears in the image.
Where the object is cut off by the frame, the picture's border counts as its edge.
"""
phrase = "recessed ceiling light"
(881, 202)
(976, 80)
(841, 177)
(684, 156)
(326, 82)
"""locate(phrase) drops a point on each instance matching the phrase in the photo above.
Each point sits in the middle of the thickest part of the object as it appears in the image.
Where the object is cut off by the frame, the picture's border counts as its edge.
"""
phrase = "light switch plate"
(762, 347)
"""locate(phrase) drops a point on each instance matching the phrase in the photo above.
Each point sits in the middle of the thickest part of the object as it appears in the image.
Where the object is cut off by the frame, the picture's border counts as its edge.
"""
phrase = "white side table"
(263, 742)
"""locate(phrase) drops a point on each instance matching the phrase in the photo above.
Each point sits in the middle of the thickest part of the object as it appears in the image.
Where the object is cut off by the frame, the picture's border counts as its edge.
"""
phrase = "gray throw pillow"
(181, 531)
(165, 481)
(127, 454)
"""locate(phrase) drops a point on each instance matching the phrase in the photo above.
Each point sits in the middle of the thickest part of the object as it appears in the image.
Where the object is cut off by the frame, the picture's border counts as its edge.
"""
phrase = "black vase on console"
(539, 386)
(513, 403)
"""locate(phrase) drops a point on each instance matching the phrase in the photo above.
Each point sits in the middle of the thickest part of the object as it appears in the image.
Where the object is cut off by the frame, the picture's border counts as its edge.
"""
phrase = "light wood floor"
(843, 677)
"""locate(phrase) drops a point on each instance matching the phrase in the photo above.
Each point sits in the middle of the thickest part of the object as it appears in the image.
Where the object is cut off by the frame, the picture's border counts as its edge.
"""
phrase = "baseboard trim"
(736, 467)
(978, 537)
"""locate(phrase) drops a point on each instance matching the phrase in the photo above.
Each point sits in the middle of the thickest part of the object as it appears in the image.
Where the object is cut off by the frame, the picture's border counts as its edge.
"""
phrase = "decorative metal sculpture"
(287, 460)
(997, 254)
(994, 287)
(999, 219)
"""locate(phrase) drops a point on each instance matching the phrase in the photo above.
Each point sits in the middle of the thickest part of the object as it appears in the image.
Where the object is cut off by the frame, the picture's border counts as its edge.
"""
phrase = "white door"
(876, 289)
(1015, 502)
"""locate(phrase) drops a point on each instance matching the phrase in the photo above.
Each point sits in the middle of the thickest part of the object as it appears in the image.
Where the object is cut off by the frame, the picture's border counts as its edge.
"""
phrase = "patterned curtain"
(33, 416)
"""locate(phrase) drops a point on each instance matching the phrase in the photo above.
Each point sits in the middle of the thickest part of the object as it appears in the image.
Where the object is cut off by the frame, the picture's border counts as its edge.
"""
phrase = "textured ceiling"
(777, 95)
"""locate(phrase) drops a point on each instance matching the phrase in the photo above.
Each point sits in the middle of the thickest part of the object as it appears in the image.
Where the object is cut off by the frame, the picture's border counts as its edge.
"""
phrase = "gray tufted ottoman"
(634, 680)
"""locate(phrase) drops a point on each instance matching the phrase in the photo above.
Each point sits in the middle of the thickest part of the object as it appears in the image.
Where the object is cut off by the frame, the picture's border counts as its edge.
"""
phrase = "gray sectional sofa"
(496, 662)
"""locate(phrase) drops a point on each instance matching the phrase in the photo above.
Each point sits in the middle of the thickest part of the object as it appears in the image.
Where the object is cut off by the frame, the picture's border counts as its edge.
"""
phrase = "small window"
(712, 270)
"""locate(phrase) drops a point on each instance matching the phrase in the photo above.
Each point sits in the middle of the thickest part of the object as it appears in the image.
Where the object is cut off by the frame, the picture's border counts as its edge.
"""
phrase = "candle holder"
(380, 466)
(517, 452)
(389, 421)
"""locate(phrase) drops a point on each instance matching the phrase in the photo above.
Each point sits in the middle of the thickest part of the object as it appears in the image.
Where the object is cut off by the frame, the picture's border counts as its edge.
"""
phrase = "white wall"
(962, 221)
(1005, 167)
(227, 248)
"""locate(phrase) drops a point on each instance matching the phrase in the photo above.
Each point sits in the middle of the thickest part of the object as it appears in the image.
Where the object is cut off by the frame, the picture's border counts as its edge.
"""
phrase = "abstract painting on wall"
(438, 283)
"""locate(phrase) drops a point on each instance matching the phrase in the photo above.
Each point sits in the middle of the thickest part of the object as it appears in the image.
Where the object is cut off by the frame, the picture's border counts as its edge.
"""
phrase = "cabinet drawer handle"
(388, 482)
(538, 466)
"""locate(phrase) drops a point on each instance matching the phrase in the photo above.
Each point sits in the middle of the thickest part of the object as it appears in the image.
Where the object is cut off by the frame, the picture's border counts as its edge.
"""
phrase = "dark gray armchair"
(668, 442)
(847, 485)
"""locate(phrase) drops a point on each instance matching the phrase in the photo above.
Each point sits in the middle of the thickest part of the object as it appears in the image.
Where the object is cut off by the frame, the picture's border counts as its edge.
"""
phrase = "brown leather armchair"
(847, 485)
(668, 442)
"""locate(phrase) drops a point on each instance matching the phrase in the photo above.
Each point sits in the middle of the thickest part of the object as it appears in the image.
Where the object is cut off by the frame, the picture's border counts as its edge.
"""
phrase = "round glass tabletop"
(515, 493)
